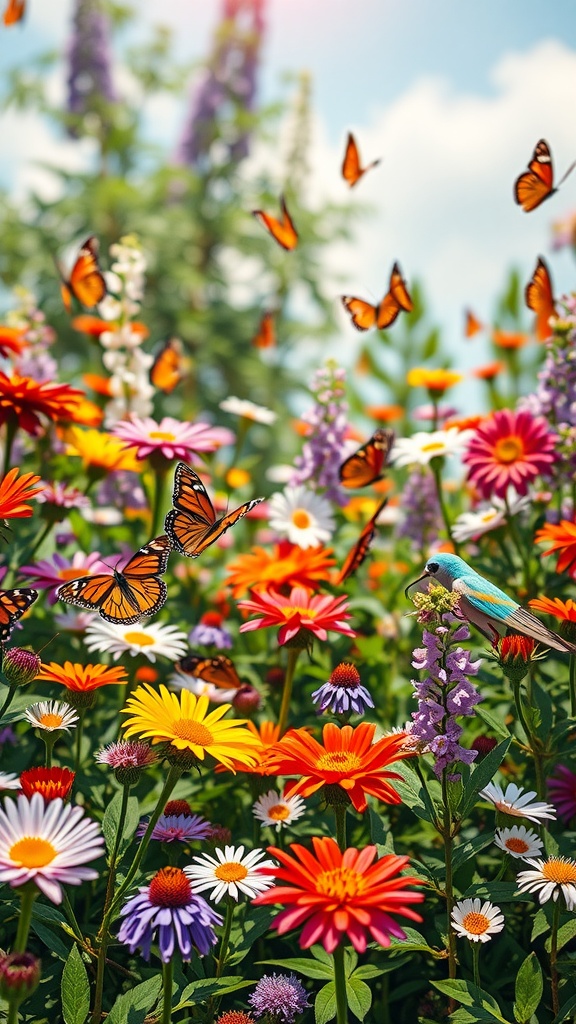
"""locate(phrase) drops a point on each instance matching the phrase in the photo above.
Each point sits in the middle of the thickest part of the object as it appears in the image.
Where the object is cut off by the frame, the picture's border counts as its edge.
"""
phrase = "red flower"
(315, 614)
(23, 400)
(334, 893)
(509, 449)
(50, 782)
(563, 537)
(565, 611)
(15, 491)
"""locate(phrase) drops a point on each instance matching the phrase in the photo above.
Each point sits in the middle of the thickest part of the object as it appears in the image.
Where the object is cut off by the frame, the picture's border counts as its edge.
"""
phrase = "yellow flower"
(181, 719)
(436, 381)
(101, 450)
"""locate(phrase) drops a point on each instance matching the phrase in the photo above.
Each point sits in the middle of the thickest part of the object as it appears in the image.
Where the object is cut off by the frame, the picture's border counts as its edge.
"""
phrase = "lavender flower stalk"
(422, 514)
(90, 85)
(324, 450)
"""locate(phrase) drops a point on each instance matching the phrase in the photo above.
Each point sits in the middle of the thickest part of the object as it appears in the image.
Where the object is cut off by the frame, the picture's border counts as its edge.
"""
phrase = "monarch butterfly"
(364, 315)
(358, 552)
(472, 324)
(125, 596)
(86, 282)
(537, 183)
(168, 367)
(192, 524)
(351, 169)
(265, 336)
(13, 604)
(540, 298)
(15, 11)
(219, 670)
(282, 231)
(366, 465)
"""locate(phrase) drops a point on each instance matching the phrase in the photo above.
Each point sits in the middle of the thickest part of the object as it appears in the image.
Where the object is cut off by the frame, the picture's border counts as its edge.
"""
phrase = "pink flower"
(509, 449)
(316, 613)
(50, 573)
(562, 792)
(171, 438)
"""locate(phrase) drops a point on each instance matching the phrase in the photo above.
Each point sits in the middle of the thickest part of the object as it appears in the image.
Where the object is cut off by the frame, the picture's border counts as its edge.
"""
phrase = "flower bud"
(514, 654)
(20, 666)
(247, 700)
(19, 976)
(177, 807)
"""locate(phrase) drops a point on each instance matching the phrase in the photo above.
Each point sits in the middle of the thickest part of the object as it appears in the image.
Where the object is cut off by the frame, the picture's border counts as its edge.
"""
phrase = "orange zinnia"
(82, 678)
(436, 381)
(349, 758)
(23, 400)
(286, 565)
(563, 538)
(268, 733)
(335, 893)
(508, 339)
(565, 611)
(15, 491)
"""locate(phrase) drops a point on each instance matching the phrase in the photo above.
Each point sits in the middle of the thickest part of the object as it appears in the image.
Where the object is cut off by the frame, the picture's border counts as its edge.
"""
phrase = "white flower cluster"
(123, 357)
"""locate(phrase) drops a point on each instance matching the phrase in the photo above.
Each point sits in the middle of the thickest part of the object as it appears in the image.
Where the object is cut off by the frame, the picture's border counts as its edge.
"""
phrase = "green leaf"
(75, 989)
(325, 1004)
(540, 925)
(469, 849)
(50, 940)
(302, 965)
(491, 721)
(543, 701)
(467, 994)
(367, 971)
(565, 1012)
(359, 997)
(474, 1015)
(133, 1006)
(413, 793)
(414, 941)
(482, 774)
(111, 821)
(378, 833)
(566, 932)
(201, 990)
(529, 988)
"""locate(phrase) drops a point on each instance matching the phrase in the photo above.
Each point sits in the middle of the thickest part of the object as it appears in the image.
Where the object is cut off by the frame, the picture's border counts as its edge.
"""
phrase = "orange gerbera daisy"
(82, 678)
(15, 491)
(23, 400)
(347, 757)
(562, 536)
(287, 565)
(565, 611)
(336, 893)
(268, 734)
(436, 381)
(385, 413)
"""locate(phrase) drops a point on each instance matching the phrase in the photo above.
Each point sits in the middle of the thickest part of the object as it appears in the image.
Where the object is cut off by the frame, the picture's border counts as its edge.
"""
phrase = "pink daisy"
(315, 614)
(171, 438)
(509, 449)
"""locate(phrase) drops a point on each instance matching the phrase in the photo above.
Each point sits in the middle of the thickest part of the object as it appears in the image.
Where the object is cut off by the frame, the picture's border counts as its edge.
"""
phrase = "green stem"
(448, 850)
(293, 653)
(99, 988)
(533, 742)
(67, 907)
(223, 951)
(340, 985)
(11, 428)
(28, 894)
(167, 985)
(49, 741)
(79, 733)
(476, 963)
(27, 557)
(520, 547)
(436, 467)
(553, 959)
(10, 697)
(340, 814)
(572, 685)
(12, 1017)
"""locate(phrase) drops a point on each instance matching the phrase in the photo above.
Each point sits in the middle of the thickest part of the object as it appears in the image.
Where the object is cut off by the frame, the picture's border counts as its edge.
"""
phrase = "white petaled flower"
(469, 525)
(152, 640)
(230, 873)
(550, 879)
(422, 447)
(248, 410)
(200, 688)
(274, 809)
(519, 841)
(50, 715)
(477, 921)
(516, 802)
(46, 843)
(8, 780)
(302, 516)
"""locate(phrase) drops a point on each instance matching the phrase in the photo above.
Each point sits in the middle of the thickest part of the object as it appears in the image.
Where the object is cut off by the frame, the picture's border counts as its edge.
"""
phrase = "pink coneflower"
(562, 792)
(171, 438)
(509, 449)
(50, 573)
(313, 614)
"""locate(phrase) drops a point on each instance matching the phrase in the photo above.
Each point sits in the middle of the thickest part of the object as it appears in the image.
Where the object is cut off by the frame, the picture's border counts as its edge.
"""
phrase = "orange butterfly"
(282, 231)
(351, 169)
(13, 604)
(537, 183)
(192, 525)
(473, 325)
(15, 11)
(86, 282)
(540, 298)
(367, 465)
(364, 315)
(168, 367)
(358, 553)
(219, 670)
(265, 337)
(125, 596)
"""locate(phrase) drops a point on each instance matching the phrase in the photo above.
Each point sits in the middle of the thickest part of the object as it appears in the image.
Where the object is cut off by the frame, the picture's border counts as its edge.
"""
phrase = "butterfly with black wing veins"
(366, 465)
(193, 525)
(13, 604)
(86, 282)
(127, 596)
(218, 670)
(536, 184)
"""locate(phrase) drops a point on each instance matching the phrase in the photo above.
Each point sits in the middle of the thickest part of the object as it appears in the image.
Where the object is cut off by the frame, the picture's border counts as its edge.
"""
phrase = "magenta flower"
(509, 449)
(171, 438)
(562, 792)
(313, 614)
(50, 573)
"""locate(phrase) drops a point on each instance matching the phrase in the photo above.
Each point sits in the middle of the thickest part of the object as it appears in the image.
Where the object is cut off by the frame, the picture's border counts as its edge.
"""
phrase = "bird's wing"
(484, 597)
(523, 621)
(490, 608)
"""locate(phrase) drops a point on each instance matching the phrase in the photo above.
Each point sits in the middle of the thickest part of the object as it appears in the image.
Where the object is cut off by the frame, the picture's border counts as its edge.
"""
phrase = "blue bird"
(486, 606)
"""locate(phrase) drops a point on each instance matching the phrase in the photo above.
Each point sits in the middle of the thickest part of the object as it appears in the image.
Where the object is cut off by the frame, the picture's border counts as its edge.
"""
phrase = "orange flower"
(489, 371)
(23, 400)
(94, 326)
(52, 783)
(565, 611)
(15, 491)
(12, 339)
(335, 893)
(465, 422)
(508, 339)
(563, 538)
(286, 566)
(349, 758)
(96, 382)
(82, 678)
(435, 381)
(385, 413)
(268, 733)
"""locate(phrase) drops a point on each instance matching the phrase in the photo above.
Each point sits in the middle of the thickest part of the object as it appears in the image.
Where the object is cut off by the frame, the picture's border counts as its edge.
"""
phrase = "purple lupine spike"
(90, 84)
(324, 449)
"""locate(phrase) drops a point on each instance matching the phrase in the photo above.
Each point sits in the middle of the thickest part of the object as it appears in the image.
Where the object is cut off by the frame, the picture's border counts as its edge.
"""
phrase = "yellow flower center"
(290, 610)
(51, 721)
(560, 871)
(232, 871)
(279, 812)
(194, 732)
(476, 924)
(72, 573)
(435, 446)
(32, 852)
(509, 449)
(161, 435)
(301, 518)
(517, 845)
(338, 761)
(138, 638)
(340, 883)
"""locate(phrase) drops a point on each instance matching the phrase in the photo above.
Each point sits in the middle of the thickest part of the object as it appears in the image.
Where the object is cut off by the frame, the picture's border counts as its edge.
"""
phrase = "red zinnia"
(565, 611)
(563, 538)
(23, 400)
(50, 782)
(334, 893)
(509, 449)
(315, 614)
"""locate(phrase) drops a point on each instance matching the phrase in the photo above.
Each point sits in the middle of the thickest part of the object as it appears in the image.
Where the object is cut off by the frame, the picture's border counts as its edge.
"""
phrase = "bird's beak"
(413, 584)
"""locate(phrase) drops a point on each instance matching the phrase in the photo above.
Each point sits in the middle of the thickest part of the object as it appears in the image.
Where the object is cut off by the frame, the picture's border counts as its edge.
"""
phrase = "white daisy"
(422, 447)
(302, 516)
(153, 640)
(273, 808)
(516, 802)
(477, 921)
(8, 780)
(230, 873)
(46, 843)
(199, 687)
(519, 841)
(550, 878)
(50, 715)
(248, 410)
(470, 525)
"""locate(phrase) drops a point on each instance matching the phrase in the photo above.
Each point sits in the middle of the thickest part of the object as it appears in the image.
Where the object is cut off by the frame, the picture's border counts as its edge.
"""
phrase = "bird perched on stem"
(487, 607)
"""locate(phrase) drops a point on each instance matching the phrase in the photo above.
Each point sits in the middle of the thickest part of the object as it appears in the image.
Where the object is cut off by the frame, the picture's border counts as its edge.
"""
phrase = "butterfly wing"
(366, 465)
(219, 670)
(86, 281)
(472, 324)
(362, 313)
(266, 334)
(13, 604)
(192, 524)
(15, 11)
(358, 552)
(167, 368)
(352, 170)
(540, 298)
(537, 183)
(282, 231)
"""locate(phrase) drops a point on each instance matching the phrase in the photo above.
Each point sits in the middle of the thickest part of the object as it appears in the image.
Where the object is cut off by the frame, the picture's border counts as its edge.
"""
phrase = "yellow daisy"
(100, 450)
(181, 719)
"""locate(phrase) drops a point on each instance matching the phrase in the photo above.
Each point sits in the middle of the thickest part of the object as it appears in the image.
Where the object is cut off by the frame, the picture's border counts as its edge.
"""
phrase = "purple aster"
(207, 635)
(182, 828)
(51, 573)
(90, 85)
(169, 912)
(325, 447)
(422, 515)
(343, 692)
(562, 792)
(279, 998)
